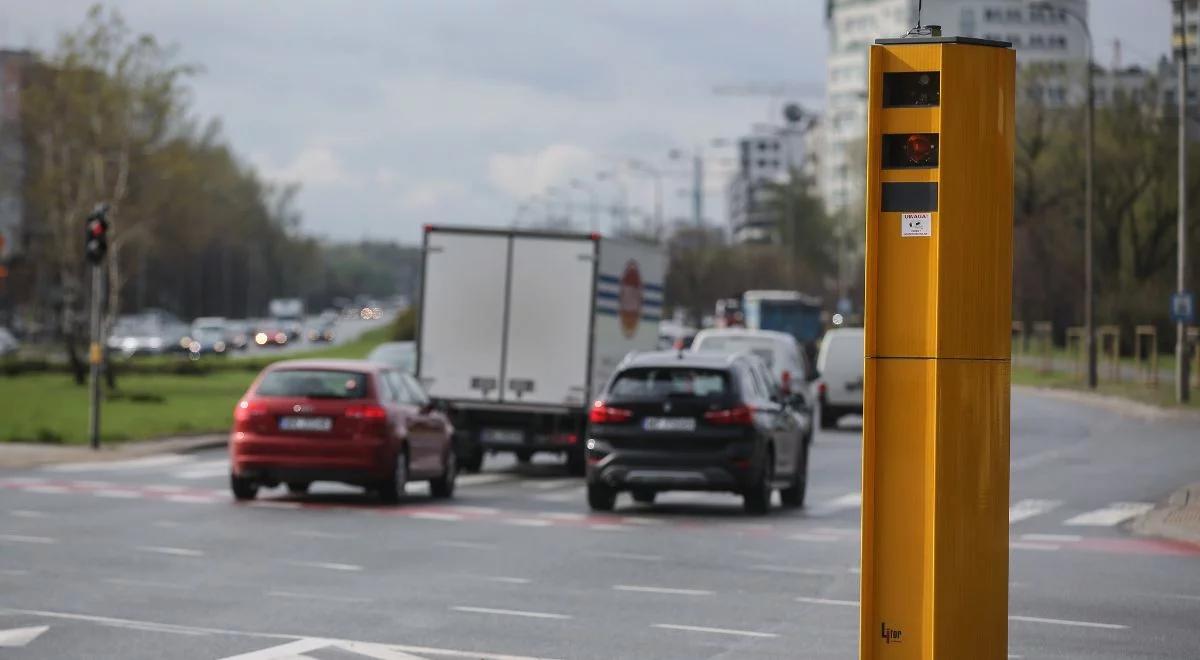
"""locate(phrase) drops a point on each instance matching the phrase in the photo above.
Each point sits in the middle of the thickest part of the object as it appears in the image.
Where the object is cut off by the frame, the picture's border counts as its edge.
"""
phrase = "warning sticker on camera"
(916, 224)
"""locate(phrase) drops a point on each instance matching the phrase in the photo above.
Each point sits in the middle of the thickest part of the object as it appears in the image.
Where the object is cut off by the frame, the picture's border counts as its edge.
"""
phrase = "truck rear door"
(549, 320)
(462, 315)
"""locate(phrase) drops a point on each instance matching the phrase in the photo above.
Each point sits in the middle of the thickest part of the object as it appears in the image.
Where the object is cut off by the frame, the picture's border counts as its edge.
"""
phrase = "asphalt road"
(151, 559)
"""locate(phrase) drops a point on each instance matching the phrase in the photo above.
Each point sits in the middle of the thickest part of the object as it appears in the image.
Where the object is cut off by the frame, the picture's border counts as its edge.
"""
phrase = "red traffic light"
(918, 147)
(96, 227)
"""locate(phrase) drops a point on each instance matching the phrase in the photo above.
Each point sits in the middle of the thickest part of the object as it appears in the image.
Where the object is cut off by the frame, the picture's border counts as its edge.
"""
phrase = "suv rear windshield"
(314, 384)
(661, 382)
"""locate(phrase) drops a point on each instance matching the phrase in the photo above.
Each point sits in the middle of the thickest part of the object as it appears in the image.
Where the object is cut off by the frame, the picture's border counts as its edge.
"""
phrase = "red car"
(350, 421)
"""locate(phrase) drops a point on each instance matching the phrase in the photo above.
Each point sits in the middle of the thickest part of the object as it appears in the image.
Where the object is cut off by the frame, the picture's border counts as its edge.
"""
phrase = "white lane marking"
(500, 578)
(527, 522)
(641, 520)
(433, 515)
(19, 637)
(827, 601)
(131, 464)
(193, 630)
(166, 488)
(117, 493)
(718, 631)
(1029, 545)
(563, 515)
(26, 513)
(609, 527)
(855, 570)
(524, 613)
(662, 590)
(794, 570)
(176, 552)
(1067, 622)
(481, 510)
(91, 484)
(549, 484)
(1113, 514)
(328, 565)
(847, 501)
(480, 479)
(274, 505)
(627, 555)
(1180, 596)
(21, 538)
(47, 489)
(204, 470)
(566, 495)
(192, 499)
(470, 545)
(310, 596)
(13, 572)
(282, 651)
(1052, 538)
(377, 651)
(133, 582)
(816, 538)
(1026, 509)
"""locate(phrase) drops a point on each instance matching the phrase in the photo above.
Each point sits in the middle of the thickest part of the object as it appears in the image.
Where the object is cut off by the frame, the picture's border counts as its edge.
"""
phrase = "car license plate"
(504, 436)
(305, 423)
(669, 424)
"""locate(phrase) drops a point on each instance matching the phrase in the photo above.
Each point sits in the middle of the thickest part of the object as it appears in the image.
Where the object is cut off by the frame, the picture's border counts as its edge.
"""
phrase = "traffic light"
(95, 242)
(939, 199)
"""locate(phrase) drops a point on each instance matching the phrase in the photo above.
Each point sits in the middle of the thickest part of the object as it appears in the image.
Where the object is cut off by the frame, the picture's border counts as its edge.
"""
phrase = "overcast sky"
(395, 113)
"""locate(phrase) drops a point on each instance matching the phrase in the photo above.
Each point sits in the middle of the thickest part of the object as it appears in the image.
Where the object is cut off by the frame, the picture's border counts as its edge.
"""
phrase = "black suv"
(697, 421)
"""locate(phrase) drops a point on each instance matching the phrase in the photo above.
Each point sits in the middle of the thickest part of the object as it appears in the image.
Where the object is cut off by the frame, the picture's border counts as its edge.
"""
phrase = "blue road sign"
(1183, 307)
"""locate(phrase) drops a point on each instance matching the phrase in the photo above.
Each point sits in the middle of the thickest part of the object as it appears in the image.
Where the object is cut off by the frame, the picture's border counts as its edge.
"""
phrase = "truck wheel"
(828, 419)
(644, 496)
(472, 462)
(243, 489)
(524, 456)
(601, 497)
(576, 462)
(297, 487)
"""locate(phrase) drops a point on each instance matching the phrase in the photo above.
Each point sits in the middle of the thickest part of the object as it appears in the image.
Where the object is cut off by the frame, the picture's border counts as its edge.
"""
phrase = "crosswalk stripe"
(1026, 509)
(131, 464)
(1113, 514)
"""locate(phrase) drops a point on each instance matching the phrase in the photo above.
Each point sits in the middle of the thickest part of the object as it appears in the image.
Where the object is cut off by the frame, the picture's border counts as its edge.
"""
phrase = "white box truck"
(520, 330)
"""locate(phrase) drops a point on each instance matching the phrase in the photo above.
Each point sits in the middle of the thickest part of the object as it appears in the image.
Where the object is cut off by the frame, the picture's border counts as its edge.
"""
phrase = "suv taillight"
(737, 416)
(601, 413)
(368, 411)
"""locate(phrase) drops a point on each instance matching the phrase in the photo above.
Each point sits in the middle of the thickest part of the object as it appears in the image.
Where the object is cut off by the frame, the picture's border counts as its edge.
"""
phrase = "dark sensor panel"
(910, 150)
(909, 197)
(909, 90)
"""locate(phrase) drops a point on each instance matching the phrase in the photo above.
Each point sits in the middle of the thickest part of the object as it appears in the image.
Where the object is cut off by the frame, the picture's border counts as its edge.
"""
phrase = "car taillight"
(821, 388)
(736, 416)
(786, 382)
(368, 412)
(248, 410)
(601, 413)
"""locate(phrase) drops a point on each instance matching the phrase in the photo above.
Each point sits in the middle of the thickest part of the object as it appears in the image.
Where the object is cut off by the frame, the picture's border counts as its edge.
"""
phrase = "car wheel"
(601, 497)
(828, 419)
(443, 486)
(644, 496)
(524, 456)
(298, 487)
(793, 496)
(757, 500)
(243, 489)
(392, 489)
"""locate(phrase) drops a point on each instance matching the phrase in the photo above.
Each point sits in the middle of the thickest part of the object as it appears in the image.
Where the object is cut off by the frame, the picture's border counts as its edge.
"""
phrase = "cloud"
(312, 167)
(523, 174)
(426, 195)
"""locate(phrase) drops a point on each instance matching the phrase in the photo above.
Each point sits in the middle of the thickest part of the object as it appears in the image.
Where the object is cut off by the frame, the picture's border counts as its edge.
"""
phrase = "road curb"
(24, 454)
(1115, 404)
(1178, 518)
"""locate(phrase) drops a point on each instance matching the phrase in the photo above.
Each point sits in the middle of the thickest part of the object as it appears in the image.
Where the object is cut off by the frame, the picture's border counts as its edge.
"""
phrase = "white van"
(840, 375)
(779, 350)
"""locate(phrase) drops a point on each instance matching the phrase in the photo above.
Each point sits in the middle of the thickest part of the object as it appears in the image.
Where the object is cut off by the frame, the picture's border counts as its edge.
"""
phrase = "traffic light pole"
(95, 356)
(1182, 355)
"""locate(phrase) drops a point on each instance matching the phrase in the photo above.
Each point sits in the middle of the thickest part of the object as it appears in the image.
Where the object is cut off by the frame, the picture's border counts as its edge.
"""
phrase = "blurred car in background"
(153, 332)
(271, 332)
(239, 334)
(399, 354)
(840, 365)
(209, 336)
(321, 332)
(350, 421)
(779, 350)
(675, 335)
(8, 343)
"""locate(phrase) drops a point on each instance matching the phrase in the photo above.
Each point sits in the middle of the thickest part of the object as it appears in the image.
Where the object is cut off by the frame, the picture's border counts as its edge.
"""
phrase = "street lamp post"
(1089, 287)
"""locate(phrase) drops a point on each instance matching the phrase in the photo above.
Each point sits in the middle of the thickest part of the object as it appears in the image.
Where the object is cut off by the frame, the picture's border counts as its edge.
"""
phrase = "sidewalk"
(1178, 518)
(23, 455)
